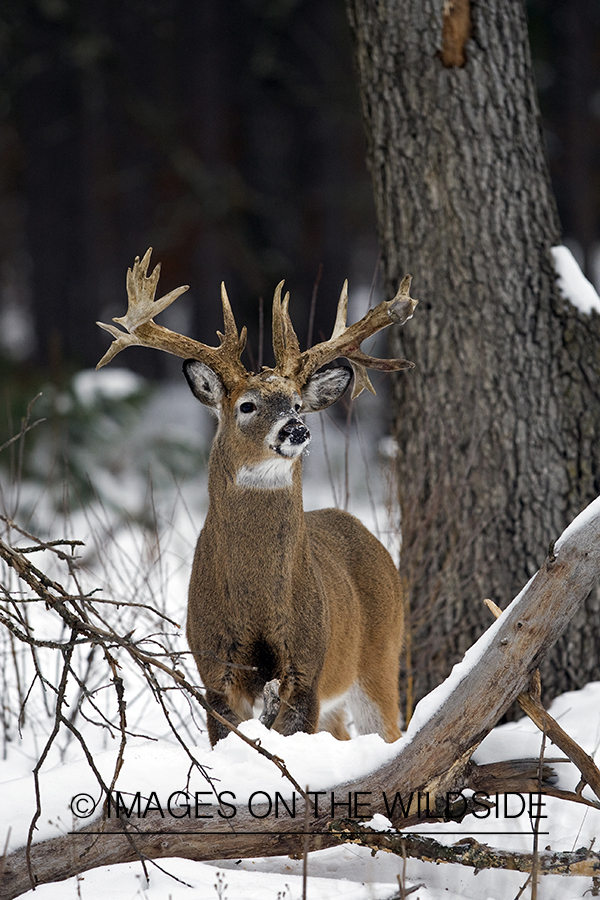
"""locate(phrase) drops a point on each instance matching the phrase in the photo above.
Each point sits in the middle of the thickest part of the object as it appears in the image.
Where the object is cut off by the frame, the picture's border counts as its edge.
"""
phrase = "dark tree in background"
(565, 43)
(499, 426)
(224, 133)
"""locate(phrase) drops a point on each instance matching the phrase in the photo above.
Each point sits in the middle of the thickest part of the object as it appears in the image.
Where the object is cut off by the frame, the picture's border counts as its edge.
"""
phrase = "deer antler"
(344, 341)
(286, 347)
(143, 331)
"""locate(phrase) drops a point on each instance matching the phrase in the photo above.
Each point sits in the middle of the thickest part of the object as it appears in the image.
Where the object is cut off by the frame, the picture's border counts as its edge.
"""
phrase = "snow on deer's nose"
(291, 438)
(295, 431)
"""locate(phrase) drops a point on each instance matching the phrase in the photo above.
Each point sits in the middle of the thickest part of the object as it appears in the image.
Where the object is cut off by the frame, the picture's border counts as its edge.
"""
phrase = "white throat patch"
(269, 474)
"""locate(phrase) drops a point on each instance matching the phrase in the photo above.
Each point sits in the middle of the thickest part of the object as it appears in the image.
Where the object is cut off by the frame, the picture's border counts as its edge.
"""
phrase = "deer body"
(311, 599)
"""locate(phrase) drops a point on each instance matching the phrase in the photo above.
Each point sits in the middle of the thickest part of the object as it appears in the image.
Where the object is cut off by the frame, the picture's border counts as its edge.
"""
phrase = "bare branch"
(48, 590)
(467, 852)
(531, 704)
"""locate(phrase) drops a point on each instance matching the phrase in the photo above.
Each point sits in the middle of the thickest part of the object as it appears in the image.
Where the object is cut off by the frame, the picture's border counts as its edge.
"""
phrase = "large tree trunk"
(498, 426)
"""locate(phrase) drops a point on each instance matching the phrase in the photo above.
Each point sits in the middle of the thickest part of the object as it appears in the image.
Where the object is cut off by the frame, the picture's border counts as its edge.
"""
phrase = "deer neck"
(256, 530)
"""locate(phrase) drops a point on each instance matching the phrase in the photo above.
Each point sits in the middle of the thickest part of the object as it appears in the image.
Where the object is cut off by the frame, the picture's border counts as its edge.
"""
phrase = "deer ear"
(204, 384)
(325, 387)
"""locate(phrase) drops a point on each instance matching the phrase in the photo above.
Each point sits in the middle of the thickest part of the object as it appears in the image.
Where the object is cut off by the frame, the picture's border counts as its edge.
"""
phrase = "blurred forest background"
(226, 134)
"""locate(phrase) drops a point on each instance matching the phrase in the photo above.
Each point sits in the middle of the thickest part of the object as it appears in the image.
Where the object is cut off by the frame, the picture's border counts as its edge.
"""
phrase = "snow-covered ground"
(148, 562)
(320, 761)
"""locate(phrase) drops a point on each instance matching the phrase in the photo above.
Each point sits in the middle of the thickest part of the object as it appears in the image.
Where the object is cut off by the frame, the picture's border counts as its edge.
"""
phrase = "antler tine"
(276, 327)
(342, 312)
(230, 338)
(346, 340)
(286, 346)
(292, 343)
(141, 330)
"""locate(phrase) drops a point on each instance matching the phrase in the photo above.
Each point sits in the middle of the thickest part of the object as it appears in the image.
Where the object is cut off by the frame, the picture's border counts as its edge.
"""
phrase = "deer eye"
(297, 406)
(247, 407)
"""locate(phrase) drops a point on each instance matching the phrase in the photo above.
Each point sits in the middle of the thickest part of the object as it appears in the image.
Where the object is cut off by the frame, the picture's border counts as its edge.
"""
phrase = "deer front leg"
(299, 710)
(219, 702)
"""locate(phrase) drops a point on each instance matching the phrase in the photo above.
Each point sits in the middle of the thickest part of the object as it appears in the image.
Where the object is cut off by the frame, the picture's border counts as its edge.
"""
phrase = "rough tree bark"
(498, 427)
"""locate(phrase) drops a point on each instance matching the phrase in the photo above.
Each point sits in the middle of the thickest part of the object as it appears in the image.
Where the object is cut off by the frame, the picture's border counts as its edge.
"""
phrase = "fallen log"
(433, 759)
(472, 853)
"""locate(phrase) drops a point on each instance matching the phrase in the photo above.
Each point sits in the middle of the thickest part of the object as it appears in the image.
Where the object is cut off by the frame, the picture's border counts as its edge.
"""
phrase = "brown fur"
(310, 598)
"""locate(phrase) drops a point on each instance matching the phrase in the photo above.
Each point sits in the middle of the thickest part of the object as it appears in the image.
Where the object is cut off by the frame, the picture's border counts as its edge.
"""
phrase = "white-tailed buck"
(311, 599)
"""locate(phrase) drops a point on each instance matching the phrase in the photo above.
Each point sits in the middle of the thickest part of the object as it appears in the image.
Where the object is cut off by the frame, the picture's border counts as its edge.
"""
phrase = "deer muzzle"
(291, 438)
(295, 432)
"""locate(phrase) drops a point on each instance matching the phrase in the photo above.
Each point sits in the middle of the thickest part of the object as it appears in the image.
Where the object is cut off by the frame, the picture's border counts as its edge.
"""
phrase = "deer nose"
(296, 431)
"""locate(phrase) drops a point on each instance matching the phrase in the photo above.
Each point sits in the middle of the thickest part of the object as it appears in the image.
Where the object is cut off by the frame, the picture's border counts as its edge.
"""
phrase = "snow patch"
(160, 768)
(379, 823)
(579, 522)
(106, 384)
(572, 283)
(430, 704)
